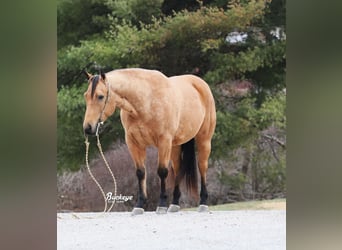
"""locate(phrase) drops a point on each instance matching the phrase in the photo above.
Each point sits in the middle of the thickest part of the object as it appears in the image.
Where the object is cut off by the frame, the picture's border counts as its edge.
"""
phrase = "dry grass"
(76, 191)
(276, 204)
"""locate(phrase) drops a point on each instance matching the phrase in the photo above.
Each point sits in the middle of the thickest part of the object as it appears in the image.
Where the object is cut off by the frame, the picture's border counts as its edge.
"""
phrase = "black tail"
(188, 166)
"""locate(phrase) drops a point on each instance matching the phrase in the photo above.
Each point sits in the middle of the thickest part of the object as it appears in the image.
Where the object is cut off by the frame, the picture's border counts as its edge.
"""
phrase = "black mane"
(94, 84)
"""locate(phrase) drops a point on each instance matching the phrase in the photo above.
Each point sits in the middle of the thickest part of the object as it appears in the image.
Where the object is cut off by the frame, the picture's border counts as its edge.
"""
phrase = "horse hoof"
(137, 211)
(173, 208)
(203, 208)
(161, 210)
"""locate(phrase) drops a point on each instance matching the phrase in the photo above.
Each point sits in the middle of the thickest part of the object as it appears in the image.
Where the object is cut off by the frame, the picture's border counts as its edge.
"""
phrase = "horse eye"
(100, 97)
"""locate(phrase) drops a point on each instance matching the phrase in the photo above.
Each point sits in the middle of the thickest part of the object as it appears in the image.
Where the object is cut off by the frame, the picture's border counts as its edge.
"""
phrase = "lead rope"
(93, 177)
(107, 165)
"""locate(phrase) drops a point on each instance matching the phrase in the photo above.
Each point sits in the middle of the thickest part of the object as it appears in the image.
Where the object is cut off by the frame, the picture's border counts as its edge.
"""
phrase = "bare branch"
(273, 151)
(275, 139)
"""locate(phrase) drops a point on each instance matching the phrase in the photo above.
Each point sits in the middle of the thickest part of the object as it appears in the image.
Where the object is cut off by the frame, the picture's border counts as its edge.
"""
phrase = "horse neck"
(128, 95)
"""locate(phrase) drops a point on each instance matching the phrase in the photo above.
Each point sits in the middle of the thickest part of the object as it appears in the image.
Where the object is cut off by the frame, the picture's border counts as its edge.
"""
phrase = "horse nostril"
(87, 130)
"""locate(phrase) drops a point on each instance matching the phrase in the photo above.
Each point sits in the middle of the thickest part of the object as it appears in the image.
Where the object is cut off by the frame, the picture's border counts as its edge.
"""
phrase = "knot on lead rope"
(98, 128)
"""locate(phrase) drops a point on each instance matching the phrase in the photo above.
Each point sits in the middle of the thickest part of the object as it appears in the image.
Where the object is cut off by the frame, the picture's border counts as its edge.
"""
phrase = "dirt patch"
(277, 205)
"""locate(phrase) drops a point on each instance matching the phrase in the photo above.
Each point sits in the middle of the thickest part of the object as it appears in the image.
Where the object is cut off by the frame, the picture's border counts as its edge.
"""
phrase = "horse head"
(97, 99)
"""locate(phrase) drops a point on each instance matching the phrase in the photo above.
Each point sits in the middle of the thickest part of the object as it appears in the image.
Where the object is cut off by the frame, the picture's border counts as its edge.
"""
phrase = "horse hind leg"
(184, 159)
(204, 148)
(175, 160)
(164, 152)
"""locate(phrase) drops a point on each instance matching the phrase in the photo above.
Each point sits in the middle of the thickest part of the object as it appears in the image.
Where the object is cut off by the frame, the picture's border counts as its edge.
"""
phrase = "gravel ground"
(250, 229)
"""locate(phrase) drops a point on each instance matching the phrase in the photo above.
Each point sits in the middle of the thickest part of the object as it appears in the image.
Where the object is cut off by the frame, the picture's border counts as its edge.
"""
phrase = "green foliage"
(136, 11)
(135, 33)
(231, 131)
(242, 126)
(269, 173)
(273, 177)
(70, 110)
(71, 59)
(80, 19)
(174, 45)
(235, 182)
(170, 6)
(70, 138)
(235, 65)
(272, 112)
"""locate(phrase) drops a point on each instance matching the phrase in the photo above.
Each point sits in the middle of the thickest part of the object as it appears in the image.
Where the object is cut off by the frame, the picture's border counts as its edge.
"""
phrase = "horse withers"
(170, 113)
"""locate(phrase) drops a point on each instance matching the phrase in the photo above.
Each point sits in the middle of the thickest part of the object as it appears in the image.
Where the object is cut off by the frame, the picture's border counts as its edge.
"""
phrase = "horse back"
(191, 83)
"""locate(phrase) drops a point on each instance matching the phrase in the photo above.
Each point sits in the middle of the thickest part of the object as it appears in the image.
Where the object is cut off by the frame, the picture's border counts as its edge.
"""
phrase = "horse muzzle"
(89, 130)
(92, 130)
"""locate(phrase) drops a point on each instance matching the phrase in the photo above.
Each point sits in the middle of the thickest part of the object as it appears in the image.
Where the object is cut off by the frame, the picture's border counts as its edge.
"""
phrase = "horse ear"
(87, 74)
(103, 75)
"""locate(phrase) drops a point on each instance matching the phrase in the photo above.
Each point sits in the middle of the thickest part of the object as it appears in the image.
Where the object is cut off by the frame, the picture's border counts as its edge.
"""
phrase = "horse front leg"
(164, 152)
(139, 155)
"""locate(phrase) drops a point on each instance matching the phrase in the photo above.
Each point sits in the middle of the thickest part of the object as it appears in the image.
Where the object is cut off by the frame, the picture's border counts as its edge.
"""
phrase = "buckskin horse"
(170, 113)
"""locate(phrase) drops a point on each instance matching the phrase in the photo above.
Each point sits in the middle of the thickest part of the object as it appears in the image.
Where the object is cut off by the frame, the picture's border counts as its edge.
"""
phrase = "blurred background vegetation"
(237, 47)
